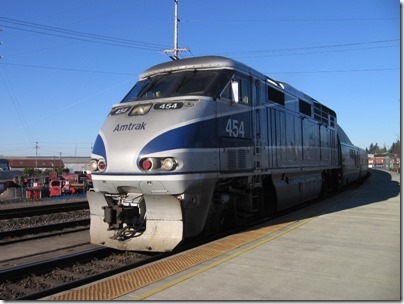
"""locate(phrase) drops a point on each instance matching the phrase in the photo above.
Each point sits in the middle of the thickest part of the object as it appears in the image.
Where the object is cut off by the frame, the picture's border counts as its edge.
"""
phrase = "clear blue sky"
(64, 63)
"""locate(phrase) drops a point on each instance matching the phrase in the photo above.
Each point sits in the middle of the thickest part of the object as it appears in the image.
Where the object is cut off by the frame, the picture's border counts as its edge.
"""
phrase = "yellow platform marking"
(119, 285)
(214, 264)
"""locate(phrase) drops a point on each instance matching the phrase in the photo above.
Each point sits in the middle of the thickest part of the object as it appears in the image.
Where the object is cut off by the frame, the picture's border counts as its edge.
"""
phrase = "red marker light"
(102, 165)
(146, 164)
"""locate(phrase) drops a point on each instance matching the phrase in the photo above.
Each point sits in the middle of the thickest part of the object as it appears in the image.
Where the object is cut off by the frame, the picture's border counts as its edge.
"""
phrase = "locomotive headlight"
(97, 165)
(169, 164)
(93, 165)
(140, 109)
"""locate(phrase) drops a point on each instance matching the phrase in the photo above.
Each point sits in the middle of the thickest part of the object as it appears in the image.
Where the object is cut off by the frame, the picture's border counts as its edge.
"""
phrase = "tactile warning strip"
(127, 282)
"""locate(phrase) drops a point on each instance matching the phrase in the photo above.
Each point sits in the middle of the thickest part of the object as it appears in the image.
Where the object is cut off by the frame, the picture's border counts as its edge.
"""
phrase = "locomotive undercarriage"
(238, 200)
(136, 221)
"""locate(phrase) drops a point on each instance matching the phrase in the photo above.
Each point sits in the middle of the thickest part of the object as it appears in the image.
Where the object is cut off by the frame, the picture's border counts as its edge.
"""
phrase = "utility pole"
(36, 155)
(176, 49)
(1, 29)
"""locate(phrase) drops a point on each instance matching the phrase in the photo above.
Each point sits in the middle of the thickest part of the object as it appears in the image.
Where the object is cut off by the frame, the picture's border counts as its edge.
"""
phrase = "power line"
(17, 105)
(329, 46)
(238, 20)
(77, 35)
(64, 69)
(338, 71)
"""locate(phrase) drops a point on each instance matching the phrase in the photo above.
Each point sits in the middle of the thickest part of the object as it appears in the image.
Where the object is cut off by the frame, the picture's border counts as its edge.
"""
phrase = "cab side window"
(245, 91)
(244, 85)
(226, 93)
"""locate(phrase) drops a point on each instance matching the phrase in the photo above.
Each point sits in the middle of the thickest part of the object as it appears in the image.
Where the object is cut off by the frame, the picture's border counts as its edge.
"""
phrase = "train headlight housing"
(93, 165)
(141, 109)
(98, 165)
(158, 164)
(102, 165)
(169, 164)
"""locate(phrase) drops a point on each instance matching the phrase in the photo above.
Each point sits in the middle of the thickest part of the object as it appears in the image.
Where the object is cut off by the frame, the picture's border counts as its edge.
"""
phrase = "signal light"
(102, 165)
(146, 164)
(93, 165)
(141, 109)
(97, 165)
(169, 164)
(159, 164)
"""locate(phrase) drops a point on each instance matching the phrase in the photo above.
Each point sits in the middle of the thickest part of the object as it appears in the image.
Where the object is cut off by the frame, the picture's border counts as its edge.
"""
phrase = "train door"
(235, 130)
(257, 125)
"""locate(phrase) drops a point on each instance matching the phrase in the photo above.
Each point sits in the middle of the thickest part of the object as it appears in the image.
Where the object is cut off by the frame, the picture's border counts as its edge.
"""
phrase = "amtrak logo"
(130, 127)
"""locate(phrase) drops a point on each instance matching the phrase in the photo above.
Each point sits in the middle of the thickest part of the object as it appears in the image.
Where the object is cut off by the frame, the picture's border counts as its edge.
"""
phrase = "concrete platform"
(344, 248)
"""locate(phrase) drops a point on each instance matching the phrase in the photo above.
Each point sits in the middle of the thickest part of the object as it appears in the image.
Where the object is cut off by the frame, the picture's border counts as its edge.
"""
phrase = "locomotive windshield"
(203, 83)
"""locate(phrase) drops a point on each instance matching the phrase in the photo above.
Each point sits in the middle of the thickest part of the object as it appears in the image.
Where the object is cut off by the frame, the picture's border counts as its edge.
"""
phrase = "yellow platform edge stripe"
(112, 288)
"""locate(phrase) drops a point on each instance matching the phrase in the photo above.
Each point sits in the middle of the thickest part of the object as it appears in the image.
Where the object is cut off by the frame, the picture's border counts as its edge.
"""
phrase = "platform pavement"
(348, 250)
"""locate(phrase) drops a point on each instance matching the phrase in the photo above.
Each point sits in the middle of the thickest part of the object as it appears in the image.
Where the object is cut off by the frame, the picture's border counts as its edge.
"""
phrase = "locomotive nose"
(99, 147)
(99, 156)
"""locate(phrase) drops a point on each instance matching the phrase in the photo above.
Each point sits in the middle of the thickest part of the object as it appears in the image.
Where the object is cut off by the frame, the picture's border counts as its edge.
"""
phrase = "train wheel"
(220, 217)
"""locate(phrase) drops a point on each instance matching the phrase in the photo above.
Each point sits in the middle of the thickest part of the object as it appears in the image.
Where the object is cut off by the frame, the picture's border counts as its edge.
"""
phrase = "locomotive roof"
(200, 63)
(204, 62)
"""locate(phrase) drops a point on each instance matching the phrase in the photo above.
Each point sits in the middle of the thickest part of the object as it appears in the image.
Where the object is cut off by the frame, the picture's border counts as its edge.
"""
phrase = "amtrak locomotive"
(202, 143)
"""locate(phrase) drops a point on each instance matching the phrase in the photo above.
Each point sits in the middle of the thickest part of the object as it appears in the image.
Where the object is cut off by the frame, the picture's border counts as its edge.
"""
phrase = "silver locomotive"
(202, 143)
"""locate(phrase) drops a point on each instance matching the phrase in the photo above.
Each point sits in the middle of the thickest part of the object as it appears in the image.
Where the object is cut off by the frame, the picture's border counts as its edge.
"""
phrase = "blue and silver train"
(202, 143)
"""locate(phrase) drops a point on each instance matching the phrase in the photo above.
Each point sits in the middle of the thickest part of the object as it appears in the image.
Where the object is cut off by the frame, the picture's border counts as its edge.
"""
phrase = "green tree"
(373, 148)
(396, 148)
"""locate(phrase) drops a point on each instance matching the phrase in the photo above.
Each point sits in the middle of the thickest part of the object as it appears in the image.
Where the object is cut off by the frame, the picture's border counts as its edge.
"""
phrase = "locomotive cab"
(155, 160)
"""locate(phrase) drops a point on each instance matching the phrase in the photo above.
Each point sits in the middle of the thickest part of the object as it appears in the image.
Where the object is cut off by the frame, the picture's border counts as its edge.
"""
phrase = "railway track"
(41, 277)
(31, 222)
(15, 211)
(25, 234)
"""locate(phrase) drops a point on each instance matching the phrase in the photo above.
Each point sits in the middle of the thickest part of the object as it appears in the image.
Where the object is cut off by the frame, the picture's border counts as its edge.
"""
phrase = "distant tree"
(396, 148)
(32, 171)
(373, 148)
(29, 171)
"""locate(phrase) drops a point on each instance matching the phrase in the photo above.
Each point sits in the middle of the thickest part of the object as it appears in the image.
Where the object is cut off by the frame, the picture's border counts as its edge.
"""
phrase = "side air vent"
(236, 159)
(231, 159)
(242, 159)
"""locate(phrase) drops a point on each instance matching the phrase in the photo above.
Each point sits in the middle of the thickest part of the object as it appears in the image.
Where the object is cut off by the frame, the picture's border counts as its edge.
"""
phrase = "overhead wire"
(337, 71)
(238, 20)
(330, 46)
(78, 35)
(108, 40)
(17, 105)
(65, 69)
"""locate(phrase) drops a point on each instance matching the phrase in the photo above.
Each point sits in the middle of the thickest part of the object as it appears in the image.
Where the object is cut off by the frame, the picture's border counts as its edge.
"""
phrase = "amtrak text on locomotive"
(130, 127)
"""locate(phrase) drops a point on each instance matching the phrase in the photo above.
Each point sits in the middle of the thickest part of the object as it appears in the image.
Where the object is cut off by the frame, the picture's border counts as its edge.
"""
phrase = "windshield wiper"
(152, 84)
(187, 78)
